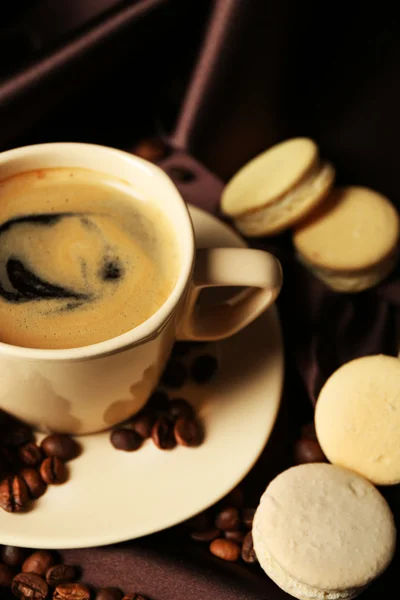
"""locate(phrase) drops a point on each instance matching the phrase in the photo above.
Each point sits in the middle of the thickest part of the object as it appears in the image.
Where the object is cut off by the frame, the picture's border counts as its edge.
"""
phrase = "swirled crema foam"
(82, 259)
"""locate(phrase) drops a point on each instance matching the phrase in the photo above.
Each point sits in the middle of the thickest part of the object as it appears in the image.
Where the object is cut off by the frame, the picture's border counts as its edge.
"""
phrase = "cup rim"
(154, 324)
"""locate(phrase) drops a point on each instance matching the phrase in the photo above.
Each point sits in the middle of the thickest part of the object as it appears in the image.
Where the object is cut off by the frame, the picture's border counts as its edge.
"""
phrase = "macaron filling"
(353, 281)
(293, 586)
(291, 206)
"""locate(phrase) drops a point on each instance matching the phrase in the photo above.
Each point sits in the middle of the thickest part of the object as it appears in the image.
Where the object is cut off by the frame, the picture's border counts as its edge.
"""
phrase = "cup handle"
(224, 267)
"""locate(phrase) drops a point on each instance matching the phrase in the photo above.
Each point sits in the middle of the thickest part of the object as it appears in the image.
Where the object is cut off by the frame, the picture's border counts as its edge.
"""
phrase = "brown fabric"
(322, 330)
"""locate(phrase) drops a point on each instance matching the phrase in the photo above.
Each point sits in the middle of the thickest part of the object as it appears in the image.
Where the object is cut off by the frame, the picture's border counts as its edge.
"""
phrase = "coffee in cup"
(82, 259)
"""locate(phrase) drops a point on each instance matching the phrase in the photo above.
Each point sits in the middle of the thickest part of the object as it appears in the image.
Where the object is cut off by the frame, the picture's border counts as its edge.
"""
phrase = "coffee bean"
(248, 516)
(205, 536)
(188, 432)
(13, 556)
(152, 149)
(179, 407)
(53, 471)
(142, 424)
(29, 586)
(308, 451)
(228, 518)
(39, 562)
(13, 493)
(34, 482)
(234, 498)
(135, 597)
(61, 574)
(109, 593)
(7, 574)
(30, 454)
(72, 591)
(18, 435)
(158, 402)
(234, 536)
(181, 174)
(248, 554)
(126, 439)
(163, 433)
(61, 446)
(204, 367)
(225, 549)
(175, 374)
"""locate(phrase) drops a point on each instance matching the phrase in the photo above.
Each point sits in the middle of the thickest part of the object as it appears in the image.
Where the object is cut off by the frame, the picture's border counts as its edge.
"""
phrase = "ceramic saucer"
(114, 496)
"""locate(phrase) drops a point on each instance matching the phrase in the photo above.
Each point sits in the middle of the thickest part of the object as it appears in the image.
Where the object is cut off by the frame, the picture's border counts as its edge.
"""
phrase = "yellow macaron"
(357, 418)
(351, 241)
(277, 188)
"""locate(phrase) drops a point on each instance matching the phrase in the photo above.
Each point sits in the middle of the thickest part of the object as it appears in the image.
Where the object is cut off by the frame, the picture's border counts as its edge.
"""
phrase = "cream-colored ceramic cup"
(88, 389)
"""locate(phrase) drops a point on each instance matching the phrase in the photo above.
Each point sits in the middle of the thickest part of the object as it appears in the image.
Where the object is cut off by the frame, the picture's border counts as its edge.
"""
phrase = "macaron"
(351, 241)
(323, 532)
(277, 188)
(357, 418)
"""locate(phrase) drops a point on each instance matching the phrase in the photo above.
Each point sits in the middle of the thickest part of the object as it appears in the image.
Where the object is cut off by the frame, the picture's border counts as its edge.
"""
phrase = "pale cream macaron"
(323, 532)
(351, 242)
(277, 188)
(357, 418)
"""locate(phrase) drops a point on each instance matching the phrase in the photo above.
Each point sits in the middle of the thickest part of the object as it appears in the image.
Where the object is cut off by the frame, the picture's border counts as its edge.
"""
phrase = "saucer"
(113, 496)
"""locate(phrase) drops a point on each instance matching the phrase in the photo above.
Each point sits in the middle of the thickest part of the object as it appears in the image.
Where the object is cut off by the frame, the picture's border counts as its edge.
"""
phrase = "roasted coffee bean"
(72, 591)
(308, 431)
(61, 574)
(29, 586)
(248, 516)
(181, 174)
(30, 454)
(13, 493)
(13, 556)
(228, 518)
(39, 562)
(135, 597)
(248, 554)
(53, 471)
(35, 484)
(204, 367)
(199, 522)
(163, 433)
(7, 574)
(188, 432)
(308, 451)
(142, 424)
(125, 439)
(61, 446)
(205, 536)
(179, 407)
(225, 549)
(234, 498)
(109, 593)
(152, 149)
(158, 402)
(17, 435)
(234, 536)
(175, 374)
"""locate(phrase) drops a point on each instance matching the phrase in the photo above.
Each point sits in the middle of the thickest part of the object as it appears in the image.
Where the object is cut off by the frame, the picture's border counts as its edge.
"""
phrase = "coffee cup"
(90, 388)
